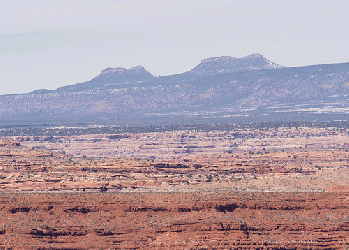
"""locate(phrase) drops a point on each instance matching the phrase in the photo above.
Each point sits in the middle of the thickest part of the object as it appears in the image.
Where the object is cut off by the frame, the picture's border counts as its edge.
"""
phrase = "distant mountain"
(228, 64)
(219, 89)
(111, 78)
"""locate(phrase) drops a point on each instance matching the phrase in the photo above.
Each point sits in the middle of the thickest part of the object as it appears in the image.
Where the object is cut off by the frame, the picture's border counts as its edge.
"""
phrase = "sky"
(48, 44)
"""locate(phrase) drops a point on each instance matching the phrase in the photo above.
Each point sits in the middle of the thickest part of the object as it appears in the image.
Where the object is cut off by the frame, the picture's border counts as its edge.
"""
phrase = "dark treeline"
(146, 129)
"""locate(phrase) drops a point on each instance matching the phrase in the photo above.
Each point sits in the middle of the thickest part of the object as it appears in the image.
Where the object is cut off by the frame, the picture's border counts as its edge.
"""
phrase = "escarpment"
(219, 220)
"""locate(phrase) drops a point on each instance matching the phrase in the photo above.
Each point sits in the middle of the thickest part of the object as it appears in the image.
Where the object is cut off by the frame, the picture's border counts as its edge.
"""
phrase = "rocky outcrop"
(214, 220)
(228, 64)
(53, 200)
(111, 78)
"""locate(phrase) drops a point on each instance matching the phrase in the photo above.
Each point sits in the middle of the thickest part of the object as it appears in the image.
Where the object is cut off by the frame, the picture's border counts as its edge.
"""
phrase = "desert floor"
(276, 188)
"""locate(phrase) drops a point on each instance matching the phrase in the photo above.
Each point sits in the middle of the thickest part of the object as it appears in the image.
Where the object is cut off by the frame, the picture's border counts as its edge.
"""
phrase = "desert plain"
(241, 187)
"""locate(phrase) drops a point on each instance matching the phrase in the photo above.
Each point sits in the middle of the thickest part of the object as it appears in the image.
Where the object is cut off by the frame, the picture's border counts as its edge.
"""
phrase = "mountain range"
(219, 89)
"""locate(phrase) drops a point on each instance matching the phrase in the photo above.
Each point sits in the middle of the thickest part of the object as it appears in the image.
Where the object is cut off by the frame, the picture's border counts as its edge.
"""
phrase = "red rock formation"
(192, 220)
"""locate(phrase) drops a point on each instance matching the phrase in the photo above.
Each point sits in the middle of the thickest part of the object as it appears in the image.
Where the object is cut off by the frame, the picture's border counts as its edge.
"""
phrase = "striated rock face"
(228, 64)
(52, 200)
(204, 220)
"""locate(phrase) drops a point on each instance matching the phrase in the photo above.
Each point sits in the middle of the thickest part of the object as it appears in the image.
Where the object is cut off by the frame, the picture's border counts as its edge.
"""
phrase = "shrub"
(209, 177)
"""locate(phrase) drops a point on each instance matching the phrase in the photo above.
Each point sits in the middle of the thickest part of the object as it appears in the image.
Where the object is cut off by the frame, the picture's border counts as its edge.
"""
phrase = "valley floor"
(266, 188)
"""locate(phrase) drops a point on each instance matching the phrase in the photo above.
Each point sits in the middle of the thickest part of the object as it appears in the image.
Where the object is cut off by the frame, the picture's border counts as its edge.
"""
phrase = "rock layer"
(189, 220)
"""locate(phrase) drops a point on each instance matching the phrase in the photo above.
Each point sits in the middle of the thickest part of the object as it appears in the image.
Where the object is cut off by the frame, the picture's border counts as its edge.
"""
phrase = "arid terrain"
(264, 188)
(176, 220)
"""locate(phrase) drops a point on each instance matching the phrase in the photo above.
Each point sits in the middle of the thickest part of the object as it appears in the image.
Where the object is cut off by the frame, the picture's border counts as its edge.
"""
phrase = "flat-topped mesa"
(119, 75)
(110, 77)
(135, 70)
(228, 64)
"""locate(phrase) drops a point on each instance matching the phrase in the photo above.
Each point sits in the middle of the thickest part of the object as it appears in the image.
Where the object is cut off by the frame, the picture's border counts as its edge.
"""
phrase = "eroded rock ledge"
(213, 220)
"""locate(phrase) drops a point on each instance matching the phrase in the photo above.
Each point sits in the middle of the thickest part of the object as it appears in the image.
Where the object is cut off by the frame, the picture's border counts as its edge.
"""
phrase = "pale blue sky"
(48, 44)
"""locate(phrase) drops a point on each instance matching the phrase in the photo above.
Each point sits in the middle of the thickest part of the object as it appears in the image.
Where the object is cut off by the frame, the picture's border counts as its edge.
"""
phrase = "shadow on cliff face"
(20, 209)
(78, 210)
(227, 207)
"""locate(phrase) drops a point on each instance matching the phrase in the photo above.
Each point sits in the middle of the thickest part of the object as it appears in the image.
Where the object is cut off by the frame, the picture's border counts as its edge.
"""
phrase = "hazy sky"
(48, 44)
